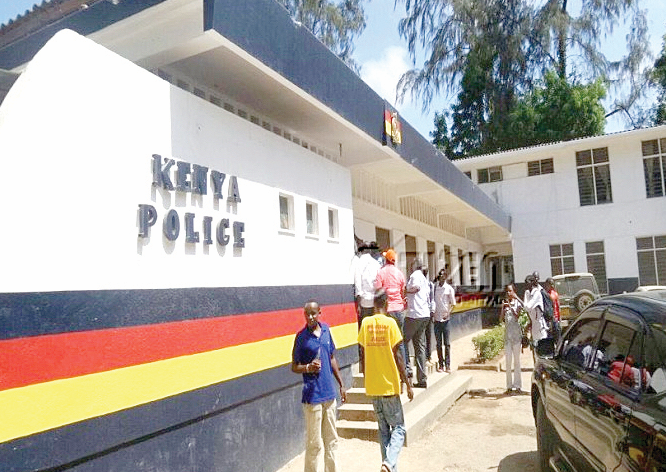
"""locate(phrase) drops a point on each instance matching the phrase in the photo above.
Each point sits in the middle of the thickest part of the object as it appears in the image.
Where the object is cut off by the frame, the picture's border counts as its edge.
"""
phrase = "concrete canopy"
(284, 73)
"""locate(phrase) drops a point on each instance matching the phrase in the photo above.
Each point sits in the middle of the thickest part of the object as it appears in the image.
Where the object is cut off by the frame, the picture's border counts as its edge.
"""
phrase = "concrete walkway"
(486, 379)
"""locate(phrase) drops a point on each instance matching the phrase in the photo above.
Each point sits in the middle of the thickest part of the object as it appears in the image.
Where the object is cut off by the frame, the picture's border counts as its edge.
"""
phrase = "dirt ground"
(485, 430)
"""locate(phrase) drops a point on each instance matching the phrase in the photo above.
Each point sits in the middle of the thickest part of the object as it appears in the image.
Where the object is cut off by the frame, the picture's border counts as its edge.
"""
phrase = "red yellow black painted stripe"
(39, 359)
(43, 406)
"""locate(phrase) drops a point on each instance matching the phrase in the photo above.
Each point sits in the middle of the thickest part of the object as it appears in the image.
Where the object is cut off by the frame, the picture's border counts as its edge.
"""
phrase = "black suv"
(599, 395)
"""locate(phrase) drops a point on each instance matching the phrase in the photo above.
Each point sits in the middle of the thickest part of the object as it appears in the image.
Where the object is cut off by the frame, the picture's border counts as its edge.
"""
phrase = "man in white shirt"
(364, 280)
(445, 300)
(365, 274)
(416, 322)
(534, 307)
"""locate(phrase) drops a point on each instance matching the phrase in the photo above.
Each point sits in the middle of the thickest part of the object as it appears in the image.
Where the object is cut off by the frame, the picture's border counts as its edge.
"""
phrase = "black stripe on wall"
(40, 313)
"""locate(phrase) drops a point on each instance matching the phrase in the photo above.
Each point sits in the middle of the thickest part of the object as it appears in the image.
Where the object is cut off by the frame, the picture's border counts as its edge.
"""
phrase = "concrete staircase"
(357, 418)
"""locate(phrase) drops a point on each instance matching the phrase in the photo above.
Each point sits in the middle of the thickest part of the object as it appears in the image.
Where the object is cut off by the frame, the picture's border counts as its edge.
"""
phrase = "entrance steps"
(357, 417)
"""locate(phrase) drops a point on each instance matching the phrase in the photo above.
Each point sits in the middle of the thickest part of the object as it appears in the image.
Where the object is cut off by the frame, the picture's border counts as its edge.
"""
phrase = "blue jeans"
(391, 423)
(399, 317)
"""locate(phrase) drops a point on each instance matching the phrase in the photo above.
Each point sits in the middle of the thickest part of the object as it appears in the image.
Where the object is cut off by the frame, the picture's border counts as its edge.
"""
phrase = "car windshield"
(583, 283)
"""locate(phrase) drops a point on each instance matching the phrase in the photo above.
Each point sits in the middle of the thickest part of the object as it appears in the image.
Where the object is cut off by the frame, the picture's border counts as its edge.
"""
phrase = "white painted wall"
(546, 209)
(77, 132)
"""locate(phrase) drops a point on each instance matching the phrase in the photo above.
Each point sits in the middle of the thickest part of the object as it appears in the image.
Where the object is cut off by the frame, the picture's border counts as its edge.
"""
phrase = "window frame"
(312, 221)
(560, 257)
(657, 251)
(290, 226)
(594, 162)
(602, 279)
(537, 167)
(490, 174)
(655, 177)
(334, 224)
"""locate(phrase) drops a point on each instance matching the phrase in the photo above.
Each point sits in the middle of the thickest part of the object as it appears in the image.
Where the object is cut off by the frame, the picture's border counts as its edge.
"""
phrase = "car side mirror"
(546, 348)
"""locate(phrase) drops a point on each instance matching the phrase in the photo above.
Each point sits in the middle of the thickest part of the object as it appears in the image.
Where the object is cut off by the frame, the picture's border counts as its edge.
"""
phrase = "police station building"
(179, 178)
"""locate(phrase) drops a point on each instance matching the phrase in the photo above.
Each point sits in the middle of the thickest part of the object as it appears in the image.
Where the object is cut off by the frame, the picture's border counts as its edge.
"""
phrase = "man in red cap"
(392, 280)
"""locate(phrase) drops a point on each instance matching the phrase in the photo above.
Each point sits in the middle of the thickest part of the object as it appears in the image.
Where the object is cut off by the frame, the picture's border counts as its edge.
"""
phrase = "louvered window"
(561, 259)
(544, 166)
(594, 184)
(654, 167)
(651, 253)
(596, 263)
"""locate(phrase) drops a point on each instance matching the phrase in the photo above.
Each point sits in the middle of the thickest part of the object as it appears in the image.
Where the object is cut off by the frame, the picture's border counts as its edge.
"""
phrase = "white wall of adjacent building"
(546, 209)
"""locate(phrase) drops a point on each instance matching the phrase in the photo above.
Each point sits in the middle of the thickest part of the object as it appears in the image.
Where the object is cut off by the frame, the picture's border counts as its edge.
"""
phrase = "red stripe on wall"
(26, 361)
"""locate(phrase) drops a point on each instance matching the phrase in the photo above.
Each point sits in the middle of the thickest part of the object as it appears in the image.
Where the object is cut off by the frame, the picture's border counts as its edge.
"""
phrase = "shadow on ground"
(519, 462)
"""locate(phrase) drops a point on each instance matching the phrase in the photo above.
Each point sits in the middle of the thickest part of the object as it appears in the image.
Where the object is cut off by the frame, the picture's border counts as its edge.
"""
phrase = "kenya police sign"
(170, 175)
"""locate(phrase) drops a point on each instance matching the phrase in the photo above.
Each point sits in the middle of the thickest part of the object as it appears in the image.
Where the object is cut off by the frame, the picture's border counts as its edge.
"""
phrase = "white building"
(591, 205)
(181, 176)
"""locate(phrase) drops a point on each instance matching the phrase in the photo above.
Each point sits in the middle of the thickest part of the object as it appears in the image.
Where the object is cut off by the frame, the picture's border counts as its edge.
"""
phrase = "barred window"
(654, 166)
(491, 174)
(651, 253)
(594, 183)
(596, 263)
(544, 166)
(561, 259)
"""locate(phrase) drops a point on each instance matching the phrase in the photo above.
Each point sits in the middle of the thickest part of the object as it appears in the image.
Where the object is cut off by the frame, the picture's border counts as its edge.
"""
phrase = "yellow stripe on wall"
(40, 407)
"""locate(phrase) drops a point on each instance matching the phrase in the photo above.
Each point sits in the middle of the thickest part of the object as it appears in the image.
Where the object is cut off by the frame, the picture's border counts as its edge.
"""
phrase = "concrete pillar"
(398, 242)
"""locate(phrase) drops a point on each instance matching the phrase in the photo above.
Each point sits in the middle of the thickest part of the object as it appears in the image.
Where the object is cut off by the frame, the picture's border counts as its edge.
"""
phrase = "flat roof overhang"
(286, 74)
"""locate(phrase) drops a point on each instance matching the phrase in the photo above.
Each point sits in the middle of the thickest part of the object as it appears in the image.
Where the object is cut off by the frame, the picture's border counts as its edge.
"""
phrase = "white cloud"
(382, 74)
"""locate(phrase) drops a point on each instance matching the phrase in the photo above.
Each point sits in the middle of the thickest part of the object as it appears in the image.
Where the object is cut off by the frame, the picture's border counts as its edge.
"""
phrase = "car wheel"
(545, 438)
(582, 300)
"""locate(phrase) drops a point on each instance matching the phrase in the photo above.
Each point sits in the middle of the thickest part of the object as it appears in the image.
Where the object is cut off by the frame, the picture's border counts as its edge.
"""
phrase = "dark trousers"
(415, 331)
(428, 334)
(442, 339)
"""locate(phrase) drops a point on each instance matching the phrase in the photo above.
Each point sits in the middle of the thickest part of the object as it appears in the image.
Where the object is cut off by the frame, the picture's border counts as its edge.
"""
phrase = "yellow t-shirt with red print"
(378, 335)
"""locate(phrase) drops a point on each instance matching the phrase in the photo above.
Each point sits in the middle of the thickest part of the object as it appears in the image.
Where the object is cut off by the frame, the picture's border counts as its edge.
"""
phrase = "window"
(654, 166)
(594, 184)
(544, 166)
(311, 218)
(491, 174)
(579, 342)
(286, 212)
(618, 356)
(468, 174)
(383, 237)
(333, 223)
(596, 263)
(561, 259)
(651, 260)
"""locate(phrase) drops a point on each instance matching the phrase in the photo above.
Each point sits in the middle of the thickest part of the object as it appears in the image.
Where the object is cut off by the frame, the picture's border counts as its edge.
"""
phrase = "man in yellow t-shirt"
(380, 340)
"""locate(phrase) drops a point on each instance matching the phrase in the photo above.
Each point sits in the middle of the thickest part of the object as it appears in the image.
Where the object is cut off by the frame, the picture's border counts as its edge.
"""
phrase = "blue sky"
(383, 56)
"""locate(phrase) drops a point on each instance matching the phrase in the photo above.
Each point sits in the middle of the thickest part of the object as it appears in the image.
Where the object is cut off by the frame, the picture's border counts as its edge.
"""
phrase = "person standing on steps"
(381, 340)
(313, 357)
(416, 322)
(392, 280)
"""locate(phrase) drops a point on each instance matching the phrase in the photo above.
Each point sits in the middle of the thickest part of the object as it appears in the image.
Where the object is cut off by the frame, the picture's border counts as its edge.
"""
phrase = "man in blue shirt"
(313, 356)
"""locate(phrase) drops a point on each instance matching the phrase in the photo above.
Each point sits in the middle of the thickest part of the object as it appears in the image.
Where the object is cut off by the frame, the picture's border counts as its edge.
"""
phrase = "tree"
(518, 41)
(557, 111)
(659, 77)
(335, 25)
(440, 136)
